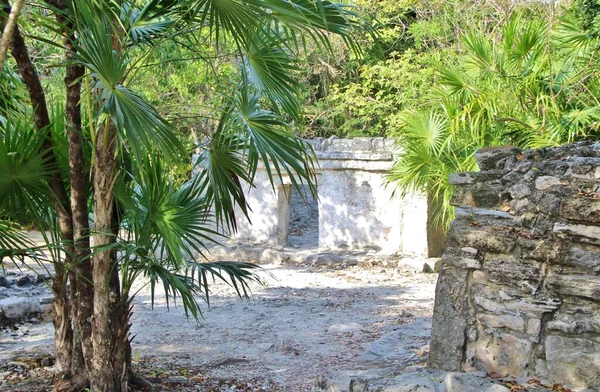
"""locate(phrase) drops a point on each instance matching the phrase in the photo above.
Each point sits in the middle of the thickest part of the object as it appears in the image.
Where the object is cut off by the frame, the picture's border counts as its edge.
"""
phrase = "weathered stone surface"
(481, 238)
(490, 158)
(501, 352)
(23, 280)
(393, 347)
(577, 285)
(583, 233)
(412, 382)
(451, 317)
(544, 182)
(520, 190)
(574, 361)
(491, 176)
(581, 209)
(528, 301)
(543, 249)
(19, 307)
(515, 323)
(484, 197)
(583, 257)
(461, 382)
(511, 271)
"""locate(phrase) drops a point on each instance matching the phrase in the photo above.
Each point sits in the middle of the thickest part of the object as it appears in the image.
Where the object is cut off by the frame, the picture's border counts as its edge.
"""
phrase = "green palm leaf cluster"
(534, 85)
(110, 152)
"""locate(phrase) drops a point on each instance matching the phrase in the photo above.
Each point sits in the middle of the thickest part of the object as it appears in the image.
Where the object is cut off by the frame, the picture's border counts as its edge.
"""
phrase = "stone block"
(520, 190)
(548, 208)
(533, 306)
(545, 182)
(576, 316)
(534, 326)
(482, 239)
(483, 216)
(507, 270)
(501, 352)
(461, 178)
(479, 195)
(573, 361)
(487, 177)
(450, 319)
(583, 233)
(587, 286)
(490, 158)
(516, 323)
(411, 382)
(584, 258)
(462, 262)
(581, 209)
(521, 206)
(488, 305)
(380, 144)
(355, 144)
(544, 249)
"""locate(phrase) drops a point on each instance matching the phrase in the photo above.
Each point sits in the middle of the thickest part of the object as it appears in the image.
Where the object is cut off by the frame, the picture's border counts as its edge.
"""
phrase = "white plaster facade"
(356, 209)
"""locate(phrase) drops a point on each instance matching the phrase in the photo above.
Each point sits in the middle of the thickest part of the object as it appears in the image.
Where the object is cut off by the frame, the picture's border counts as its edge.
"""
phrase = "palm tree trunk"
(81, 278)
(109, 364)
(63, 335)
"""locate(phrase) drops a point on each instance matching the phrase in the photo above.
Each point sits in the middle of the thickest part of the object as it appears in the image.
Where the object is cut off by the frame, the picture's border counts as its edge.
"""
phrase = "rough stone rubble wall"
(519, 287)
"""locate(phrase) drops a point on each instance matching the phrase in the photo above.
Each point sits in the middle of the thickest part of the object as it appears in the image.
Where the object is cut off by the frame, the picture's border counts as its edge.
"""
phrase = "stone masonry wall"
(519, 287)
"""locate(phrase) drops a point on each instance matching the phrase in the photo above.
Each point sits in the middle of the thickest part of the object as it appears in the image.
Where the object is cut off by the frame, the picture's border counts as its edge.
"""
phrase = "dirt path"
(307, 321)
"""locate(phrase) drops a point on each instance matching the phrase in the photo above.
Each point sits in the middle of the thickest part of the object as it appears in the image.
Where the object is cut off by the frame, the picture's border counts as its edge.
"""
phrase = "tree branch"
(11, 24)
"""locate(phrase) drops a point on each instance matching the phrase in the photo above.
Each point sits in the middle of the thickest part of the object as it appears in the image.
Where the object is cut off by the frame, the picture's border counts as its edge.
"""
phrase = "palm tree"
(92, 173)
(535, 85)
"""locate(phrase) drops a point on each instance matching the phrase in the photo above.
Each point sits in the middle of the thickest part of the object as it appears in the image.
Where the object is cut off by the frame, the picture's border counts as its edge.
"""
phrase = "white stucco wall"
(357, 212)
(356, 209)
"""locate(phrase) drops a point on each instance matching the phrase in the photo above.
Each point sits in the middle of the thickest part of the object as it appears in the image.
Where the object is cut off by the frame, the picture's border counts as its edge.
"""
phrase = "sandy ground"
(305, 321)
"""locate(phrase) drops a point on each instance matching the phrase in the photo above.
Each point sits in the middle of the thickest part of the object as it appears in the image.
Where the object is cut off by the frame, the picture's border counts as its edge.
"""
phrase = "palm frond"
(139, 124)
(24, 193)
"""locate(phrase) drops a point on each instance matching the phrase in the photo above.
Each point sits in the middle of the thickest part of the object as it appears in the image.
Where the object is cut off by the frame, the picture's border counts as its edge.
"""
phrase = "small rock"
(464, 382)
(411, 382)
(19, 307)
(43, 278)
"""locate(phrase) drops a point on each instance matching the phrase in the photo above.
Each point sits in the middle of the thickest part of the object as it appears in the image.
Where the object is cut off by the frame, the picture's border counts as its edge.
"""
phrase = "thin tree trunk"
(63, 335)
(11, 23)
(109, 364)
(81, 278)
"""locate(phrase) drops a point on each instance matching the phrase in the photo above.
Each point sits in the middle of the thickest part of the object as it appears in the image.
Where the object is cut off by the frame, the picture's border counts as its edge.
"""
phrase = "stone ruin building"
(519, 286)
(356, 210)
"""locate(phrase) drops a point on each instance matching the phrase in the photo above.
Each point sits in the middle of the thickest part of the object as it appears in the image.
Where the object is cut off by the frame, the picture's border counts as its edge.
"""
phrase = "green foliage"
(244, 57)
(536, 85)
(587, 13)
